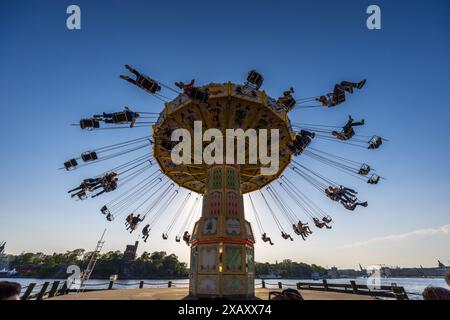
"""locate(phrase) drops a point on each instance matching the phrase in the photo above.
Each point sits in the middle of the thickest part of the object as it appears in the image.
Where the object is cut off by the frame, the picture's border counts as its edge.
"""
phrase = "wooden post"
(298, 285)
(263, 284)
(27, 292)
(169, 284)
(280, 285)
(43, 290)
(53, 289)
(111, 283)
(354, 288)
(141, 284)
(325, 284)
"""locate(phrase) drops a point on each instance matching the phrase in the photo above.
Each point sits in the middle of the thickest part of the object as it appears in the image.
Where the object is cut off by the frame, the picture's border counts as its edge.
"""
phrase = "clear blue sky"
(51, 77)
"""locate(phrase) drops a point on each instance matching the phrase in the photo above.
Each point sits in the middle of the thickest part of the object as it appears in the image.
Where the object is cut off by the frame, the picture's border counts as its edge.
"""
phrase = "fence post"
(169, 284)
(111, 283)
(53, 289)
(27, 292)
(298, 286)
(263, 284)
(43, 290)
(280, 285)
(141, 284)
(325, 284)
(354, 288)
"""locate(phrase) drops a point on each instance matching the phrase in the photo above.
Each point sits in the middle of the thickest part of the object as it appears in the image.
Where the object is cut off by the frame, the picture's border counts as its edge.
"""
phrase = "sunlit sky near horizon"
(52, 77)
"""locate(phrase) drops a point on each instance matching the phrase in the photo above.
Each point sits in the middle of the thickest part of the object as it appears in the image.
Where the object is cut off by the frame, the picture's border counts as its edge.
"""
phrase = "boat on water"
(7, 273)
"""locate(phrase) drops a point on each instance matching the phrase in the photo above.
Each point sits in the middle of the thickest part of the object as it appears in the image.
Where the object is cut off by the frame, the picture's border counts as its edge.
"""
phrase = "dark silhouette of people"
(375, 142)
(286, 236)
(338, 95)
(146, 232)
(122, 117)
(186, 237)
(374, 179)
(287, 100)
(265, 238)
(320, 224)
(352, 205)
(347, 131)
(142, 81)
(301, 141)
(134, 222)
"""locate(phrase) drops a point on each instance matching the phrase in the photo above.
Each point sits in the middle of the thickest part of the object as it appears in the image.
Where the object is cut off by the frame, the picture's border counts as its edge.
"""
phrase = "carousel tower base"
(222, 253)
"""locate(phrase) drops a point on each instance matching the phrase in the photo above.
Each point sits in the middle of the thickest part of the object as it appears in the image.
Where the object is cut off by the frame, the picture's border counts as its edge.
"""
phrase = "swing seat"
(89, 156)
(177, 239)
(105, 210)
(148, 84)
(82, 195)
(255, 79)
(165, 236)
(71, 164)
(374, 179)
(199, 95)
(122, 117)
(109, 217)
(364, 170)
(89, 123)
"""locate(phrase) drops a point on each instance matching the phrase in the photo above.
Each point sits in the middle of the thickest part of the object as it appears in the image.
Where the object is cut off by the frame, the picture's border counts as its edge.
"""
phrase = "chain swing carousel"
(209, 198)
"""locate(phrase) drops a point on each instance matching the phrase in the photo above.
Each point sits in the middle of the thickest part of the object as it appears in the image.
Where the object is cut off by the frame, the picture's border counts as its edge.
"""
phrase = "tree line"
(148, 265)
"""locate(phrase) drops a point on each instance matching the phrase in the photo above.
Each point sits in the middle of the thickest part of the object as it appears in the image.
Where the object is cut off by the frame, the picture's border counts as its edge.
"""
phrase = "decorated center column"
(222, 254)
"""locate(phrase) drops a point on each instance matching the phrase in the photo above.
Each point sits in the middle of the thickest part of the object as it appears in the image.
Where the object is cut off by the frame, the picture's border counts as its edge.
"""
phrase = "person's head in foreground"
(436, 293)
(447, 279)
(9, 290)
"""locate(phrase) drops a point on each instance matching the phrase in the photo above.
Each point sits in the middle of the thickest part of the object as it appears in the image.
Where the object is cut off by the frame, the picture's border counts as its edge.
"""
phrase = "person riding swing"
(286, 236)
(320, 224)
(352, 205)
(134, 223)
(193, 92)
(374, 179)
(301, 141)
(265, 238)
(122, 117)
(142, 81)
(128, 219)
(347, 131)
(327, 219)
(186, 237)
(364, 170)
(375, 142)
(287, 101)
(145, 232)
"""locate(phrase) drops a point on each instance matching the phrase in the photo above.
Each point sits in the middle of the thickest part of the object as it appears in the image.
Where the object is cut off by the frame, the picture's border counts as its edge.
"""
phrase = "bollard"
(141, 284)
(280, 285)
(169, 284)
(263, 284)
(111, 283)
(325, 284)
(43, 290)
(28, 291)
